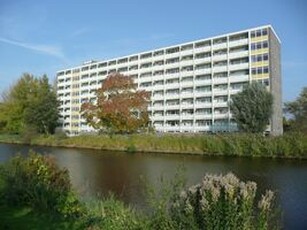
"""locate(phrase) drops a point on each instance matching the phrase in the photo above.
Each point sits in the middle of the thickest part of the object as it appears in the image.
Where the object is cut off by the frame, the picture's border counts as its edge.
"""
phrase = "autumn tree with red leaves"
(120, 107)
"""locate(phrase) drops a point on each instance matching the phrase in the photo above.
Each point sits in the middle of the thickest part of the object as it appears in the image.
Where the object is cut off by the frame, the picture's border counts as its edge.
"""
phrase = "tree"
(252, 108)
(29, 103)
(119, 108)
(42, 113)
(298, 110)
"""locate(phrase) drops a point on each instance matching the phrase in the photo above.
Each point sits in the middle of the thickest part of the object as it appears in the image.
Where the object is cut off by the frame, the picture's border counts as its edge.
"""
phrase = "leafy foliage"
(31, 102)
(120, 108)
(37, 181)
(298, 109)
(252, 108)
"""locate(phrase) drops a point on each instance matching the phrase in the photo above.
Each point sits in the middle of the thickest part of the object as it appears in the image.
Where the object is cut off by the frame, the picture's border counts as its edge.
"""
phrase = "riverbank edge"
(127, 144)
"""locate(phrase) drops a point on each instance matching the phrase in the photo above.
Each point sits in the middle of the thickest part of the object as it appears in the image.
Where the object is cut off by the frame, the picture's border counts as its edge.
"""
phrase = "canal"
(94, 172)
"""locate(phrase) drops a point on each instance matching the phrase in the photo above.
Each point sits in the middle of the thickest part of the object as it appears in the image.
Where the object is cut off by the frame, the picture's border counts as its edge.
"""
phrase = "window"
(84, 68)
(172, 102)
(171, 71)
(202, 44)
(187, 57)
(172, 60)
(160, 72)
(203, 66)
(104, 64)
(172, 50)
(187, 79)
(123, 60)
(220, 63)
(112, 63)
(187, 112)
(220, 75)
(187, 90)
(159, 52)
(133, 67)
(159, 63)
(173, 80)
(134, 58)
(259, 33)
(147, 55)
(187, 47)
(203, 77)
(260, 57)
(146, 65)
(259, 45)
(187, 101)
(260, 70)
(202, 55)
(219, 40)
(161, 82)
(238, 37)
(238, 49)
(203, 88)
(220, 52)
(239, 61)
(187, 68)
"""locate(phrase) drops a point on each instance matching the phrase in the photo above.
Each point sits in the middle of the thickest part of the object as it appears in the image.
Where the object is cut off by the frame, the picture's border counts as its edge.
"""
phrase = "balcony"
(239, 66)
(202, 60)
(239, 54)
(219, 57)
(202, 49)
(238, 78)
(238, 42)
(218, 68)
(219, 46)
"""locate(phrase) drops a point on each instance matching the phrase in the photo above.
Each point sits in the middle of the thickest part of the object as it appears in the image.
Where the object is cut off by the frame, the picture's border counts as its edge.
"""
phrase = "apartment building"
(190, 83)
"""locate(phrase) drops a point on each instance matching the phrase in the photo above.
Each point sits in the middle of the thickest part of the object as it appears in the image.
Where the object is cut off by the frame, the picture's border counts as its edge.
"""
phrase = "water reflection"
(94, 172)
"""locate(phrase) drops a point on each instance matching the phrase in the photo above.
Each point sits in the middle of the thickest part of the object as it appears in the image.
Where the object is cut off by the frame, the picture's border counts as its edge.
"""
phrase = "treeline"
(29, 106)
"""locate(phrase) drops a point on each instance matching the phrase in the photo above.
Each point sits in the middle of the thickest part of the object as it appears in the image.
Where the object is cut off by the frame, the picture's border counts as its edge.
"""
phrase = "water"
(94, 172)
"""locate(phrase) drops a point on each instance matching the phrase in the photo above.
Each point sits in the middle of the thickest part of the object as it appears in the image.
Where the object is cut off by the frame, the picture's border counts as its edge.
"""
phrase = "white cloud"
(50, 50)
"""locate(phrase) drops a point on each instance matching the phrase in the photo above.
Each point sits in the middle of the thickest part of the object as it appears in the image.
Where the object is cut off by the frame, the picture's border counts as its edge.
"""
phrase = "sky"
(42, 37)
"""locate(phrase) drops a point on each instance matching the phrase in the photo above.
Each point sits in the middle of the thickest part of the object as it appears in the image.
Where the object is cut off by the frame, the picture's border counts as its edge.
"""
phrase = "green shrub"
(37, 181)
(223, 202)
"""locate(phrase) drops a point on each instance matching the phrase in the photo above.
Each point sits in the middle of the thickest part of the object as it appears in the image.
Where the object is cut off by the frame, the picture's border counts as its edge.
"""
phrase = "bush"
(223, 202)
(218, 202)
(37, 181)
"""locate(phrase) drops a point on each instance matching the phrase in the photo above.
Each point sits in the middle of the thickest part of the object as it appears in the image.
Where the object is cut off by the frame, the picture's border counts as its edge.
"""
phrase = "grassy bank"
(292, 145)
(36, 194)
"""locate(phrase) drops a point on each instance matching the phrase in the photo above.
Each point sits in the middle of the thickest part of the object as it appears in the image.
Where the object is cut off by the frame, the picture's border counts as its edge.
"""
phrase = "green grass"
(290, 145)
(25, 218)
(10, 138)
